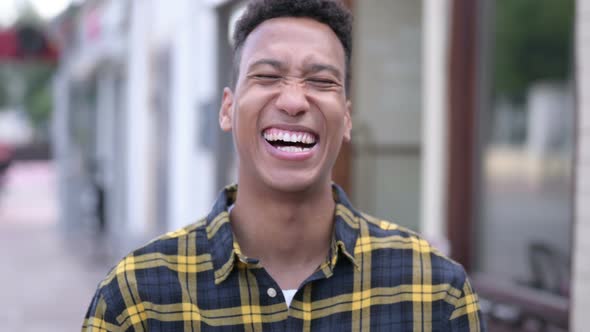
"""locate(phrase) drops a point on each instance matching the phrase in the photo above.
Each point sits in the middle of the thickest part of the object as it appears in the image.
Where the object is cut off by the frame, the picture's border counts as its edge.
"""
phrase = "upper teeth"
(285, 136)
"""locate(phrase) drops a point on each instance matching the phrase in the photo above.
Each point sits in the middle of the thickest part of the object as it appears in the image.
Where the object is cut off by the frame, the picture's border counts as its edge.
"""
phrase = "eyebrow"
(318, 67)
(270, 62)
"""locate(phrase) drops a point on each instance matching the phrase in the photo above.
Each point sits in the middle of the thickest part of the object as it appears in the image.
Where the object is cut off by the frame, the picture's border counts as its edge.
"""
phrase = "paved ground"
(47, 275)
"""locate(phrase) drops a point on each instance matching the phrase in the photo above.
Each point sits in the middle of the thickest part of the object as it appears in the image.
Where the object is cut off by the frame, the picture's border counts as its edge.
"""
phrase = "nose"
(292, 99)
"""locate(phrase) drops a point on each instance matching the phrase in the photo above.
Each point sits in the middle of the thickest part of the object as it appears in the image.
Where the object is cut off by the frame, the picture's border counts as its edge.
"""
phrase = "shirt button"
(271, 292)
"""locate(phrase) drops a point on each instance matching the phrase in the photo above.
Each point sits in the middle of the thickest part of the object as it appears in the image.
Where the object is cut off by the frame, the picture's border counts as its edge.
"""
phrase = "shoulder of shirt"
(383, 229)
(154, 246)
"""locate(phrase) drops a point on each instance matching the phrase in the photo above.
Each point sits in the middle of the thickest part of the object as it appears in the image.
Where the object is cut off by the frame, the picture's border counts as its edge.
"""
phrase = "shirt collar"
(225, 251)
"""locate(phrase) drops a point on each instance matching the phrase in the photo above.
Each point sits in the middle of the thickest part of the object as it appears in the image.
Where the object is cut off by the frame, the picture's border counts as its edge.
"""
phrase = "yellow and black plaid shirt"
(378, 276)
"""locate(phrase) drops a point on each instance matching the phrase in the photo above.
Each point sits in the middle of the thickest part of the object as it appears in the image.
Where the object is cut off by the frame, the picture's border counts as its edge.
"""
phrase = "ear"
(347, 122)
(226, 110)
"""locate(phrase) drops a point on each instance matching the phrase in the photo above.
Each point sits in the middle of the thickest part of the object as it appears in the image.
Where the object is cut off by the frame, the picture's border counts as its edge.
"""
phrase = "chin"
(294, 183)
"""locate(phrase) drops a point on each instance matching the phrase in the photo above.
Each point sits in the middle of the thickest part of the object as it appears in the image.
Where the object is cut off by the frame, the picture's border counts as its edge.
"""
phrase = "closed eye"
(322, 82)
(266, 77)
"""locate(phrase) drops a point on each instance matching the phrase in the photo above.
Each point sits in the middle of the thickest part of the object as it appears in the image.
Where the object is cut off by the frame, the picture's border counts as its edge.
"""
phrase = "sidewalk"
(47, 277)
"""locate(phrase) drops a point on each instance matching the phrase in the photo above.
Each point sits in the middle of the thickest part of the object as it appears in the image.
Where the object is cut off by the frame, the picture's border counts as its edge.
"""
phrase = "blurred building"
(135, 89)
(489, 179)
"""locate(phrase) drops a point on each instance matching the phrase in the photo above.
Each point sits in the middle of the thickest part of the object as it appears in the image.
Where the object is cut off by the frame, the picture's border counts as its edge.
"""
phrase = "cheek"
(246, 118)
(334, 116)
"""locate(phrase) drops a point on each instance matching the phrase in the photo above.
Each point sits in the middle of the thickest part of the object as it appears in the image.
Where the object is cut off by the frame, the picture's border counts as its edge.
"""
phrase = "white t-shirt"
(288, 294)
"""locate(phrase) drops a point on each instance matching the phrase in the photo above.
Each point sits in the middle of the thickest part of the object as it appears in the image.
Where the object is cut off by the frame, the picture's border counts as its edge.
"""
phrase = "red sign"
(26, 43)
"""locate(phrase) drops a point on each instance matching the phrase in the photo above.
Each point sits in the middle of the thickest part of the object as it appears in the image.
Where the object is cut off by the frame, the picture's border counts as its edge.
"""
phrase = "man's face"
(289, 113)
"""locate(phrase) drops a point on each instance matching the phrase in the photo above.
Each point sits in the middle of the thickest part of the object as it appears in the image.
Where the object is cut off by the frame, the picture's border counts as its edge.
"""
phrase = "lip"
(290, 156)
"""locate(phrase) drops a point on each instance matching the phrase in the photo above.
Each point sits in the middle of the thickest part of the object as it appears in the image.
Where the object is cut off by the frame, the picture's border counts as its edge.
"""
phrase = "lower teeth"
(292, 149)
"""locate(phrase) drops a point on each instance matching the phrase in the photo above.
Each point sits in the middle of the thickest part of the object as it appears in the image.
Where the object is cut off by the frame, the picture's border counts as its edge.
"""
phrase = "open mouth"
(290, 141)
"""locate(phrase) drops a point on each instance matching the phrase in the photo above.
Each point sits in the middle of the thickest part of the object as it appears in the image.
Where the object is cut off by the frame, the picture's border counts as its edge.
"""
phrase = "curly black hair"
(329, 12)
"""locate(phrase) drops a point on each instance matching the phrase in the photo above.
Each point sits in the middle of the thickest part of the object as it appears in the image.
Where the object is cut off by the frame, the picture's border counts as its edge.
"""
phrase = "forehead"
(293, 41)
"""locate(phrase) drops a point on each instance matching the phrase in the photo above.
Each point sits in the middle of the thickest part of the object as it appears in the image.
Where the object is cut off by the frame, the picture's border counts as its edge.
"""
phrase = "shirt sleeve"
(466, 314)
(98, 318)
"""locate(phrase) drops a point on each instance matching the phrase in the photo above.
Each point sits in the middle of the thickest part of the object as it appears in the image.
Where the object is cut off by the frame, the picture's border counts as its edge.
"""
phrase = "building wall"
(435, 44)
(580, 320)
(192, 187)
(90, 82)
(151, 67)
(169, 165)
(387, 109)
(140, 170)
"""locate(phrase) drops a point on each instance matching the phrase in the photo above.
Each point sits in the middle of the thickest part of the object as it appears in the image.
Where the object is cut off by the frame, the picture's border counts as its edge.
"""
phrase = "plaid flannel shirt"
(378, 276)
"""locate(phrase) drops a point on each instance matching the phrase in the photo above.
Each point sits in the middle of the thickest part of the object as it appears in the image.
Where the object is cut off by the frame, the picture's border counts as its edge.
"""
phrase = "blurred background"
(471, 125)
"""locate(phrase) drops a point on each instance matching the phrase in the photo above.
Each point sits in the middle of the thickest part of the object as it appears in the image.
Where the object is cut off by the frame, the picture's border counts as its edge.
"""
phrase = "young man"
(284, 250)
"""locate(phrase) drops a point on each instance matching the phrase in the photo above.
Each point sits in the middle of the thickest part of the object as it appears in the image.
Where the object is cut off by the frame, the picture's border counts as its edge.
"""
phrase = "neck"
(290, 233)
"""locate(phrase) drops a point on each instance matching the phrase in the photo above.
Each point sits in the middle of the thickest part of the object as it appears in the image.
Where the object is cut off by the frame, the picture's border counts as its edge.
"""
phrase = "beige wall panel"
(387, 109)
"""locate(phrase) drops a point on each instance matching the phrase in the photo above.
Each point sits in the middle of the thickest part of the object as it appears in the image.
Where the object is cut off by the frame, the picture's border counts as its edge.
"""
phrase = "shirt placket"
(268, 292)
